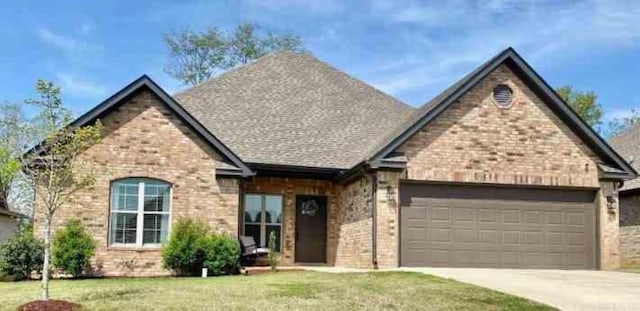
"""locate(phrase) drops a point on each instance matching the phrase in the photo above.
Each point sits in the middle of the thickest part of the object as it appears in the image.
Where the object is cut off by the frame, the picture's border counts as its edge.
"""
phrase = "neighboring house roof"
(627, 143)
(617, 167)
(234, 166)
(292, 109)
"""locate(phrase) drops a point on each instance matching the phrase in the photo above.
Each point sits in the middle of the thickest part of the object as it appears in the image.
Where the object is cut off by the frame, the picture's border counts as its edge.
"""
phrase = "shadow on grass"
(108, 294)
(296, 290)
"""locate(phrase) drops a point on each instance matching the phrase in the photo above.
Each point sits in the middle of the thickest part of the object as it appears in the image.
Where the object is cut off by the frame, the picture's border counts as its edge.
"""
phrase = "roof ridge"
(307, 55)
(353, 78)
(235, 69)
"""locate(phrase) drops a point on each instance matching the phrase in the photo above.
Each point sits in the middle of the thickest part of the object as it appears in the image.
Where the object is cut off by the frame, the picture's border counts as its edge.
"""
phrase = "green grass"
(272, 291)
(634, 268)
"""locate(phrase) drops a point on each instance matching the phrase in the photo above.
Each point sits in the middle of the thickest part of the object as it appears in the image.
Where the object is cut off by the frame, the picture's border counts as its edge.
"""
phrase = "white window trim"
(140, 218)
(263, 222)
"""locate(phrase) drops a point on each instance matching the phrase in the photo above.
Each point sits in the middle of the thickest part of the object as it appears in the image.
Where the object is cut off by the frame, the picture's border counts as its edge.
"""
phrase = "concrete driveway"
(566, 290)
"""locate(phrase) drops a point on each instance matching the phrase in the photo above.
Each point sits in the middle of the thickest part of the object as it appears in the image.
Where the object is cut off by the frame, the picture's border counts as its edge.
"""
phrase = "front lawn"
(635, 268)
(273, 291)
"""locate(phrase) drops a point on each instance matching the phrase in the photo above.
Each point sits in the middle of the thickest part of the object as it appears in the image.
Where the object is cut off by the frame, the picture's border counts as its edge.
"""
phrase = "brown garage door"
(487, 226)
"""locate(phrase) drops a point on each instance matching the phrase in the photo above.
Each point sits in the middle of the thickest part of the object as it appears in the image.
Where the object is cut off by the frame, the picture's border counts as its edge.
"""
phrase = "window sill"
(134, 248)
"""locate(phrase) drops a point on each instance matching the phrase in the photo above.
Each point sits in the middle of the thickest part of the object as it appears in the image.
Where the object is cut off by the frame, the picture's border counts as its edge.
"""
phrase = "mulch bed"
(49, 305)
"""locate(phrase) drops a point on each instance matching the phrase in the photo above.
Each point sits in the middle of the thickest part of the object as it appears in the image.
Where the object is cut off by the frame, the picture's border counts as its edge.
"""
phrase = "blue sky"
(410, 49)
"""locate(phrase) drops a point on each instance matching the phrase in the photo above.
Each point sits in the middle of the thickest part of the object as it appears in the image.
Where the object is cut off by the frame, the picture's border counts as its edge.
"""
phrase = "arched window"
(139, 212)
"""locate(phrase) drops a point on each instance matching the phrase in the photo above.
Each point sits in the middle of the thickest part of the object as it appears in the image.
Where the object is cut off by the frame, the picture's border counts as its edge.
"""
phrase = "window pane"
(253, 231)
(125, 196)
(273, 209)
(156, 197)
(123, 228)
(155, 228)
(252, 208)
(276, 229)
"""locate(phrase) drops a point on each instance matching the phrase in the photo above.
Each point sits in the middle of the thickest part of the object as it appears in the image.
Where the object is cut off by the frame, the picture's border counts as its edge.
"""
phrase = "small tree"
(584, 103)
(13, 138)
(55, 167)
(619, 125)
(194, 57)
(273, 255)
(73, 247)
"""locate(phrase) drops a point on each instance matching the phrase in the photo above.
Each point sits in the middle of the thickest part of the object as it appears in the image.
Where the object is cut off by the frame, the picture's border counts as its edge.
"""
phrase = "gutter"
(374, 222)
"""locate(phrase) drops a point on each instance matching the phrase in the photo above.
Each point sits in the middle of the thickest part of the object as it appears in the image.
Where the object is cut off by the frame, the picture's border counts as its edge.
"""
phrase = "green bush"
(192, 246)
(222, 257)
(72, 248)
(186, 248)
(21, 254)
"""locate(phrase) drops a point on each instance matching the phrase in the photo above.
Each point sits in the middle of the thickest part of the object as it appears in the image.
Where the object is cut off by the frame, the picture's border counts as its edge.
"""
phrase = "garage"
(461, 225)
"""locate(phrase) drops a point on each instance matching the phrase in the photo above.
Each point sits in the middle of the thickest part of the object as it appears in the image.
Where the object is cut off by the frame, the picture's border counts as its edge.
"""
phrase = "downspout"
(374, 222)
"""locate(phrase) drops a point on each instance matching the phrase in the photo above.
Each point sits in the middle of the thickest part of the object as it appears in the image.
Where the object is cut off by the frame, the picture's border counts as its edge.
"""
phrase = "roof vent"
(503, 96)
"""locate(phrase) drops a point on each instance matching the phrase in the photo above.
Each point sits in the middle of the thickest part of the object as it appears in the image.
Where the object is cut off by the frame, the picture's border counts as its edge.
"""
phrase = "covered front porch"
(315, 221)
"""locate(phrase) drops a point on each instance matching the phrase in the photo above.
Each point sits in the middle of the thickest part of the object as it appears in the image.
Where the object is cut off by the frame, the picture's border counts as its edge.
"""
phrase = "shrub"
(72, 248)
(223, 254)
(192, 246)
(186, 248)
(21, 254)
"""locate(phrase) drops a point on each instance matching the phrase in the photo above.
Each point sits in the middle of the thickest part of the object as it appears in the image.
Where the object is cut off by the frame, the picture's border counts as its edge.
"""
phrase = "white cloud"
(309, 6)
(70, 45)
(446, 39)
(80, 87)
(86, 28)
(618, 114)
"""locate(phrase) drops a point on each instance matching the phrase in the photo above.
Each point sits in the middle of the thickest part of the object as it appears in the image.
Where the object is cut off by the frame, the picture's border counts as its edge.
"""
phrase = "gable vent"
(503, 96)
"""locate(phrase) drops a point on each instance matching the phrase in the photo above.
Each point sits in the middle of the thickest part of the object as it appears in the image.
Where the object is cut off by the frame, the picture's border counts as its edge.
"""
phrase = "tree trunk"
(47, 255)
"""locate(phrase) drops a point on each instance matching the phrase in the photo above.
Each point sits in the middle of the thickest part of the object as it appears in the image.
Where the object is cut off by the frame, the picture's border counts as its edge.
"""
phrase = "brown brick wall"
(609, 233)
(629, 209)
(353, 225)
(475, 141)
(144, 139)
(387, 218)
(630, 246)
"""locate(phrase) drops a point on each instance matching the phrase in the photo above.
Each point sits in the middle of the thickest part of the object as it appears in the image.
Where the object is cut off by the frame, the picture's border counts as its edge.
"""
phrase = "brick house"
(497, 171)
(8, 223)
(627, 143)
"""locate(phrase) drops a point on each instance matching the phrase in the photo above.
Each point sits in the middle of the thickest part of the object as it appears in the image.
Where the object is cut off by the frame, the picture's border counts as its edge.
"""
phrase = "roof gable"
(431, 110)
(627, 143)
(235, 165)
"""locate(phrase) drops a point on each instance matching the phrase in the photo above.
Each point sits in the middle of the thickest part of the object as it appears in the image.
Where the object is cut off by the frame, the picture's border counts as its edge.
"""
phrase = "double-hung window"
(139, 212)
(263, 215)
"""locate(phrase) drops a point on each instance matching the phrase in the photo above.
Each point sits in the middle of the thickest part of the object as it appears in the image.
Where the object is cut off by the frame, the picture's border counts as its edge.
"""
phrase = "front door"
(311, 225)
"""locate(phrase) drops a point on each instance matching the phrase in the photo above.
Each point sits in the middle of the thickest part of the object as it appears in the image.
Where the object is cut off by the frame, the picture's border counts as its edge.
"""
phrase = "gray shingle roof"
(627, 144)
(292, 109)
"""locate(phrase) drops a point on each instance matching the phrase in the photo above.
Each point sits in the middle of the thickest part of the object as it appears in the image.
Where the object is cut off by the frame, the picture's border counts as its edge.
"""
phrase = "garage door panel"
(465, 231)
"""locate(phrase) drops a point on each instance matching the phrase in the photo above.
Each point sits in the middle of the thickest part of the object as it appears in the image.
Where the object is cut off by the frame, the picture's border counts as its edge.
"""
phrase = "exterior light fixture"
(610, 202)
(391, 193)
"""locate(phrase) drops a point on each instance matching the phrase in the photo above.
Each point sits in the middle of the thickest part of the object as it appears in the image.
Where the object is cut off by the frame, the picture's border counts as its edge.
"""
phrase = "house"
(627, 143)
(496, 171)
(8, 223)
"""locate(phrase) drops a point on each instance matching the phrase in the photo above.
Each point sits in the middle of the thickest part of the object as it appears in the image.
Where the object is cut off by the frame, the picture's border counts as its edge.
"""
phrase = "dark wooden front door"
(311, 226)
